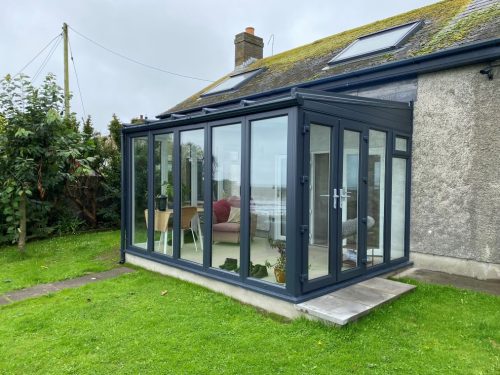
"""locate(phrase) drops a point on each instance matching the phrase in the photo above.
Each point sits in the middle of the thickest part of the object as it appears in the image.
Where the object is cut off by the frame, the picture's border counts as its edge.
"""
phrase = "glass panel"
(226, 187)
(268, 198)
(163, 193)
(376, 194)
(375, 42)
(139, 191)
(192, 157)
(349, 200)
(319, 201)
(231, 82)
(401, 144)
(398, 212)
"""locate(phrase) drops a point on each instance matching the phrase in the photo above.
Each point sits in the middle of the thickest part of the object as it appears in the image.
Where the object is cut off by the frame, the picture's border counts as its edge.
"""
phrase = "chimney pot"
(247, 46)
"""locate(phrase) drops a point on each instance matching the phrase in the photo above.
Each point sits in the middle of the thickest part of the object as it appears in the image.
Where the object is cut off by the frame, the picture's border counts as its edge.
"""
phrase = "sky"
(192, 38)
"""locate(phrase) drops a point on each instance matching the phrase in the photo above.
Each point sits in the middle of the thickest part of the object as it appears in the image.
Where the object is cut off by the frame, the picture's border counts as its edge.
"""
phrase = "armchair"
(224, 231)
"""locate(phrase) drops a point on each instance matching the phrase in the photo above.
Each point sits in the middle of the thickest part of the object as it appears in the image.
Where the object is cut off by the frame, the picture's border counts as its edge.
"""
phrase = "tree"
(115, 131)
(84, 189)
(110, 199)
(88, 128)
(98, 194)
(39, 151)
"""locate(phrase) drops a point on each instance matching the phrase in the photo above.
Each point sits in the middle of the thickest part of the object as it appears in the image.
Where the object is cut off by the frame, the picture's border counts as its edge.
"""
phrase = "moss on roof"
(440, 12)
(305, 63)
(460, 30)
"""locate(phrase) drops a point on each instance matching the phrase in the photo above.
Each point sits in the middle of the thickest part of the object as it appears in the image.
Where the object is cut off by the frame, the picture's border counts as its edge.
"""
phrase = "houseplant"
(280, 265)
(163, 200)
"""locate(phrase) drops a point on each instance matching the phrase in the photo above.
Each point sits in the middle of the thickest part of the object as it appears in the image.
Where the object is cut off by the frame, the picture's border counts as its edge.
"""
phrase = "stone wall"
(456, 166)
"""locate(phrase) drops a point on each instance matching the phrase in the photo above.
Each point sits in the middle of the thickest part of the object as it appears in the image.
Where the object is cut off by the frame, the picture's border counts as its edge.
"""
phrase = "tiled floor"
(260, 252)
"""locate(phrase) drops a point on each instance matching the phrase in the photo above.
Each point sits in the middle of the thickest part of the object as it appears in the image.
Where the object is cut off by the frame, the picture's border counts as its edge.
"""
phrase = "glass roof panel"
(231, 82)
(376, 42)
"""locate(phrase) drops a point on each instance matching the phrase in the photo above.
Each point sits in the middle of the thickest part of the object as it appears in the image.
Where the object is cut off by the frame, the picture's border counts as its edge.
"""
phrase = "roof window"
(380, 41)
(232, 82)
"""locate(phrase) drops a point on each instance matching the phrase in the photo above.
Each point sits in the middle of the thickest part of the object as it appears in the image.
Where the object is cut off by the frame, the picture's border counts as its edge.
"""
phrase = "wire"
(136, 61)
(46, 60)
(44, 63)
(77, 80)
(38, 54)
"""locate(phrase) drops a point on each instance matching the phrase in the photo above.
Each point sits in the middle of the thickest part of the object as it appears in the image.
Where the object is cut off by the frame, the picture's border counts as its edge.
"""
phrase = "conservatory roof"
(292, 97)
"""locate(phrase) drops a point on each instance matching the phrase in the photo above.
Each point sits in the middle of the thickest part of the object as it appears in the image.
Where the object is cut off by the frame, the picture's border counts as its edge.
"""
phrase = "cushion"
(221, 209)
(226, 227)
(234, 215)
(234, 201)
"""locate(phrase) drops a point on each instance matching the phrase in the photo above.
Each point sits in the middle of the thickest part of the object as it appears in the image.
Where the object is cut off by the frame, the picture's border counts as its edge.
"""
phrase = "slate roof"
(447, 24)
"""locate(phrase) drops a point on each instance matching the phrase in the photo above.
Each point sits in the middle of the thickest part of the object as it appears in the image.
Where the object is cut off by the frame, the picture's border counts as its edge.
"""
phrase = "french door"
(334, 157)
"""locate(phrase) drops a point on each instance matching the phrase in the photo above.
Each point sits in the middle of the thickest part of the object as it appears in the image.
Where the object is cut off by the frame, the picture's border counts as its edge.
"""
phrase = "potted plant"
(280, 265)
(166, 197)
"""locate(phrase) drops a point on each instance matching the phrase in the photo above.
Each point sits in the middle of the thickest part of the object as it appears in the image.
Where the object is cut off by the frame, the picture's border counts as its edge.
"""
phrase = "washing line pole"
(66, 71)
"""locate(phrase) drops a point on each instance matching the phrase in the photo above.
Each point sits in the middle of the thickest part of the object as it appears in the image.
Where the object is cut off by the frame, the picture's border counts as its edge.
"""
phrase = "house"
(355, 155)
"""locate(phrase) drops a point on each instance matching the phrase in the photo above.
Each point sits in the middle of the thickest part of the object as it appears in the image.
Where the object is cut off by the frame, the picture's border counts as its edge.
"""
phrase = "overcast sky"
(188, 37)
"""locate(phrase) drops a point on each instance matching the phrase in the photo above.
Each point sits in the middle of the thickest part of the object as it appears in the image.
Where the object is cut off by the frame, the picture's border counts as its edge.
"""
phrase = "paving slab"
(44, 289)
(491, 286)
(35, 291)
(333, 309)
(365, 295)
(350, 303)
(387, 286)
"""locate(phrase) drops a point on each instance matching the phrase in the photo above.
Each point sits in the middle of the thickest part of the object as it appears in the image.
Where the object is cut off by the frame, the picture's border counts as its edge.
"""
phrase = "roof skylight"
(378, 42)
(231, 83)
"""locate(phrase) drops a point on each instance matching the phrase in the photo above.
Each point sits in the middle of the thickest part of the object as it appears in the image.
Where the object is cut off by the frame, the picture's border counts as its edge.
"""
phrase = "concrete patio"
(350, 303)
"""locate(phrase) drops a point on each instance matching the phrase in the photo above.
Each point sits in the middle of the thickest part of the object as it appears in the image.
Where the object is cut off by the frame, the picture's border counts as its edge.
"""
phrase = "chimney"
(247, 46)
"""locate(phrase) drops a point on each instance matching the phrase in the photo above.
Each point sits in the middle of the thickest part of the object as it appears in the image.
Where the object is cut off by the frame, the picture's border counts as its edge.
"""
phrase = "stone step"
(350, 303)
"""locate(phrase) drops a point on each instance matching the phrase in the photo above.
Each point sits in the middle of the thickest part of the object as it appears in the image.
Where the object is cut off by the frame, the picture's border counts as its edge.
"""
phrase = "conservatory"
(291, 196)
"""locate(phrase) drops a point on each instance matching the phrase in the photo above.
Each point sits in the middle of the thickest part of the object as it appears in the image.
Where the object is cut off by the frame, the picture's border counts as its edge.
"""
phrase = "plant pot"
(280, 275)
(162, 202)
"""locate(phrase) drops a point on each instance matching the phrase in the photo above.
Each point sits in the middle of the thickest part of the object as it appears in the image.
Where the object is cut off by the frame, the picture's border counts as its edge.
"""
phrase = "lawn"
(58, 258)
(151, 324)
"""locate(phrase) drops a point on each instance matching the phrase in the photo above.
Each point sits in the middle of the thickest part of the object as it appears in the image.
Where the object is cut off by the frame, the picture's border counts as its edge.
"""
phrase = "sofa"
(226, 221)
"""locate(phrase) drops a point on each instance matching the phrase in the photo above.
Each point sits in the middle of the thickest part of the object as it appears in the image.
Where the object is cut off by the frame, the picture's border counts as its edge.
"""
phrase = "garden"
(147, 323)
(59, 214)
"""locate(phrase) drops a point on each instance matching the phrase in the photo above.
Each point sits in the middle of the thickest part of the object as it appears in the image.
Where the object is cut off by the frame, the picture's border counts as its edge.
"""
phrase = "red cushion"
(222, 209)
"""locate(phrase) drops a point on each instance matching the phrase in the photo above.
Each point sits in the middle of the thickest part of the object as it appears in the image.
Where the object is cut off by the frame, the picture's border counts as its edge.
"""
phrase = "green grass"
(58, 258)
(126, 326)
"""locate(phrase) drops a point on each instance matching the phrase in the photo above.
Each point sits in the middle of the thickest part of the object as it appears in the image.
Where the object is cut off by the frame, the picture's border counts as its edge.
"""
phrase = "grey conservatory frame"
(302, 107)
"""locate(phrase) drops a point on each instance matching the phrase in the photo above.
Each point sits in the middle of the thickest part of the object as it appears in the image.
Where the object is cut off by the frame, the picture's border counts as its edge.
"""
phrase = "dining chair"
(187, 215)
(162, 219)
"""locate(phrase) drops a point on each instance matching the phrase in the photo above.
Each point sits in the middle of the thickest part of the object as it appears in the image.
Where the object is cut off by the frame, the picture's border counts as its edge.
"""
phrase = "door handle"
(344, 194)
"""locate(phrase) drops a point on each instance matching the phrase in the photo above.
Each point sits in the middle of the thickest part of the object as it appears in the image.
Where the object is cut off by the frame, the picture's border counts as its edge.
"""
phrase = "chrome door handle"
(344, 194)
